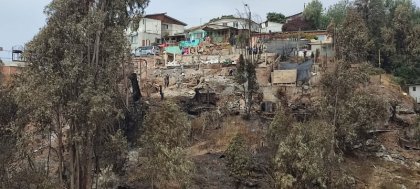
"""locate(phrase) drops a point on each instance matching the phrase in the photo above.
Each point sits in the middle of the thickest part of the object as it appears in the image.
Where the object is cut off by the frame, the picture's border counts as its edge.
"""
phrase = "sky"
(21, 19)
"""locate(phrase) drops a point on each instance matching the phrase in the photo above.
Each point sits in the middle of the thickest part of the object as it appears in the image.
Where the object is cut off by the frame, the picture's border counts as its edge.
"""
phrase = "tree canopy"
(337, 12)
(165, 137)
(354, 39)
(313, 13)
(72, 82)
(276, 17)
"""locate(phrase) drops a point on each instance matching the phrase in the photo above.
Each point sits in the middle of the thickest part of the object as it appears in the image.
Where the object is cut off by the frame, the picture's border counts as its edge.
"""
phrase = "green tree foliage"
(416, 16)
(353, 38)
(72, 81)
(113, 152)
(252, 84)
(306, 157)
(17, 166)
(357, 116)
(400, 41)
(276, 17)
(402, 26)
(337, 12)
(8, 136)
(324, 21)
(388, 45)
(277, 130)
(390, 38)
(313, 13)
(238, 159)
(351, 109)
(240, 77)
(413, 41)
(247, 78)
(373, 13)
(163, 144)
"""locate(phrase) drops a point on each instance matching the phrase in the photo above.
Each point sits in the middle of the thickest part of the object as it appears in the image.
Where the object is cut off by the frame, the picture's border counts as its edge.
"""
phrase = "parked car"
(148, 50)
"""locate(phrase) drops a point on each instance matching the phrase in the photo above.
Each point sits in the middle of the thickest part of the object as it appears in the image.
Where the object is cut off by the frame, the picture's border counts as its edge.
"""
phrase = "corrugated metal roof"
(216, 27)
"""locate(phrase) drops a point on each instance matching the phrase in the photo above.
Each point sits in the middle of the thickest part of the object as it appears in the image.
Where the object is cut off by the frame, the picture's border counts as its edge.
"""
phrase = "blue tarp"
(192, 43)
(173, 50)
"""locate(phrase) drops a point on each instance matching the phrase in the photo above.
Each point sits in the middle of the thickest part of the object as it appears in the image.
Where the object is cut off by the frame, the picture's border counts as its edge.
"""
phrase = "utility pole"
(298, 40)
(297, 47)
(249, 31)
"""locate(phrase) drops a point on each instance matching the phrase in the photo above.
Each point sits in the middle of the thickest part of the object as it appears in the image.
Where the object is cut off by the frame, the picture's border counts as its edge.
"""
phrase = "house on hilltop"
(216, 33)
(222, 30)
(414, 91)
(154, 28)
(238, 23)
(271, 27)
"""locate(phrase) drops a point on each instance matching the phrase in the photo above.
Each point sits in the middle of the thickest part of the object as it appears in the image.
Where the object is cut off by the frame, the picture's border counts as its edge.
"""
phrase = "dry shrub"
(229, 128)
(197, 127)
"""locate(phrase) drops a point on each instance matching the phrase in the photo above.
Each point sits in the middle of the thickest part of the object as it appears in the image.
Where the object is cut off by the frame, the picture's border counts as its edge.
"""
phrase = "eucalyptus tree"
(313, 13)
(353, 38)
(71, 84)
(162, 157)
(337, 12)
(246, 77)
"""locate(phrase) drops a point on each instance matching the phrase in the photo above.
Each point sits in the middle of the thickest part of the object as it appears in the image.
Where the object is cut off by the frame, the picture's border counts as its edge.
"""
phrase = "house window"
(235, 24)
(165, 26)
(134, 39)
(414, 88)
(224, 24)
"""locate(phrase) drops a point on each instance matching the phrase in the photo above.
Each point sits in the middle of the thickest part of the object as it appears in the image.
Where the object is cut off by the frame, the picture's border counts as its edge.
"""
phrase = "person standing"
(166, 81)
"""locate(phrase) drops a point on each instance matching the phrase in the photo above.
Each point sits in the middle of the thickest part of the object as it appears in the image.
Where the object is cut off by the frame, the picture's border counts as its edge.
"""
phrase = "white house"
(414, 91)
(238, 23)
(170, 26)
(153, 28)
(149, 32)
(271, 27)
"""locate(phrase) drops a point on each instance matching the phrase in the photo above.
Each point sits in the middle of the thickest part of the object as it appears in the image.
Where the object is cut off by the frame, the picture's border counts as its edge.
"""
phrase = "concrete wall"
(414, 91)
(150, 26)
(149, 31)
(266, 27)
(324, 49)
(172, 29)
(144, 39)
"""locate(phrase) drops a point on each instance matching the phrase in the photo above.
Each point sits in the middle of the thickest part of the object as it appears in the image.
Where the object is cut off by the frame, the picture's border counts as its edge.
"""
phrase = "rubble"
(207, 91)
